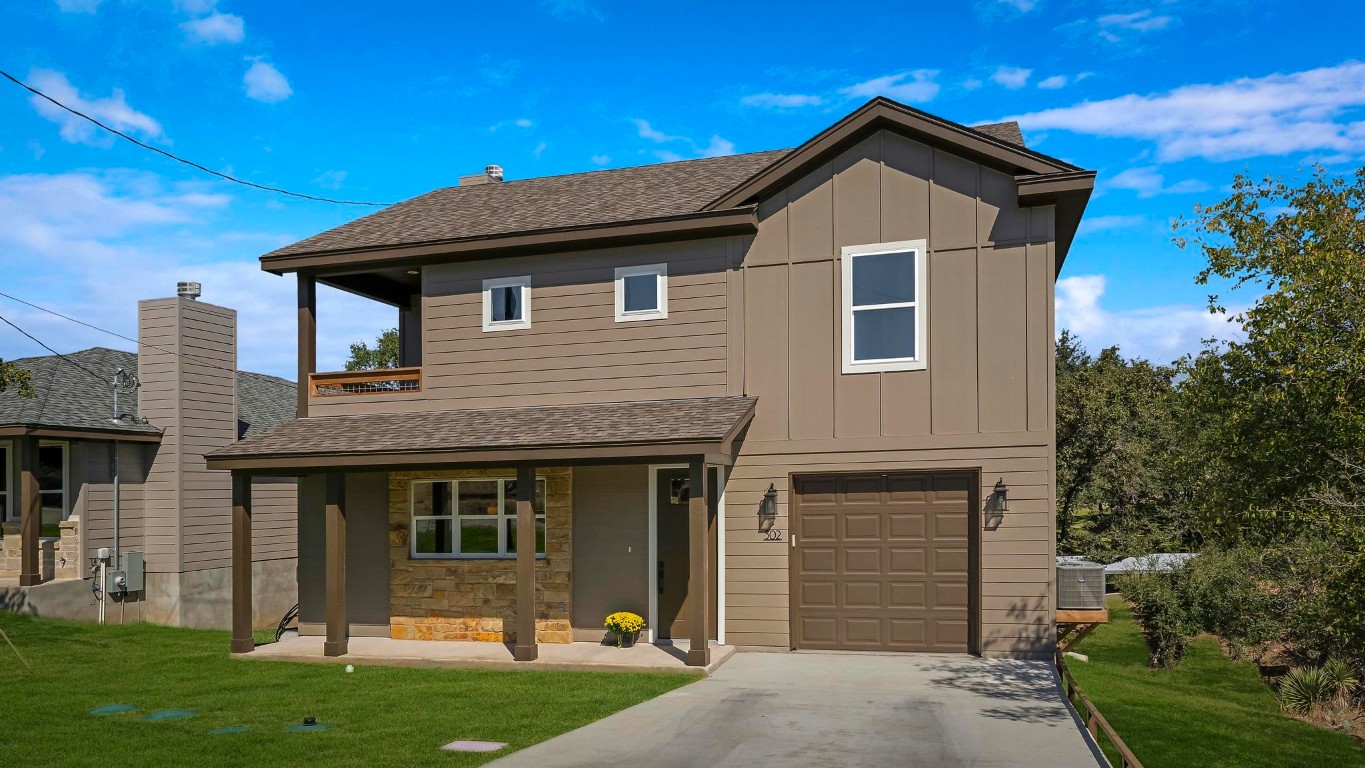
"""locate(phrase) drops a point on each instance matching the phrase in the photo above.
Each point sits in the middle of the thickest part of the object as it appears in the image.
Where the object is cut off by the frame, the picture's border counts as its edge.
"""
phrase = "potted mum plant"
(626, 627)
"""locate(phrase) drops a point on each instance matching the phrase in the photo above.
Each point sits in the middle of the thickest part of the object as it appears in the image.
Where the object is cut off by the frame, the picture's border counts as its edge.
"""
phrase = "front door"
(673, 492)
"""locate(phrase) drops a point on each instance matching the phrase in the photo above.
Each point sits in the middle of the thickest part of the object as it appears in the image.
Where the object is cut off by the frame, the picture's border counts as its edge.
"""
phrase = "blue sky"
(1167, 100)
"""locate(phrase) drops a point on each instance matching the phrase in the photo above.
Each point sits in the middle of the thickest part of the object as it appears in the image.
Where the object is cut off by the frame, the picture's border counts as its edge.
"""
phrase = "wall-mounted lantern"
(997, 505)
(767, 510)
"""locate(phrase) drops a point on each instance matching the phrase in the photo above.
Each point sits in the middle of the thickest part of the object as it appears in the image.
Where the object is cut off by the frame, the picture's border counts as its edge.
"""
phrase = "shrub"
(1228, 594)
(1165, 619)
(1309, 688)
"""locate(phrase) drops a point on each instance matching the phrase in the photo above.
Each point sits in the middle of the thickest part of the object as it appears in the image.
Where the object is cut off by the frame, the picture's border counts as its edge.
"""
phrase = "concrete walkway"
(848, 710)
(382, 651)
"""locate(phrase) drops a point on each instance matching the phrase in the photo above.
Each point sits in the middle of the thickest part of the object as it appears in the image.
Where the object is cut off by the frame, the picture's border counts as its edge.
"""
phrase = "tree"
(12, 375)
(1115, 439)
(385, 354)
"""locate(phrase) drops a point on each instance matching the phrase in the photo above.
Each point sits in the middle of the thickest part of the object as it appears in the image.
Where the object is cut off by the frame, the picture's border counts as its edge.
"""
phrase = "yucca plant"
(1307, 688)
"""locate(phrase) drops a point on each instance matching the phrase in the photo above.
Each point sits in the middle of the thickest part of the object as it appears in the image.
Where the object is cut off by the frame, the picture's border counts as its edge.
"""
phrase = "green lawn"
(1208, 711)
(384, 716)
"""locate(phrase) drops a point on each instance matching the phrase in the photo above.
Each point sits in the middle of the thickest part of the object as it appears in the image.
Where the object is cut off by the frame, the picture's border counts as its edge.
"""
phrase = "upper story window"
(642, 292)
(507, 303)
(472, 517)
(884, 306)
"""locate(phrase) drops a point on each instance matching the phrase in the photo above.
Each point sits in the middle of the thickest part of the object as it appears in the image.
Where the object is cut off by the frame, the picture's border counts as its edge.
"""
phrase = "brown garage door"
(882, 562)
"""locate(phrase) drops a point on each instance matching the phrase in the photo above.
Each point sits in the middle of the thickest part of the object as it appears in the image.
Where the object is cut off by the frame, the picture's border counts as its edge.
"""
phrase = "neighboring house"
(66, 455)
(1162, 562)
(604, 374)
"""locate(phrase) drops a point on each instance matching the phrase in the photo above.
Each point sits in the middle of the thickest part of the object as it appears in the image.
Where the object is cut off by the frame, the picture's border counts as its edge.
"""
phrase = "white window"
(53, 469)
(506, 303)
(884, 306)
(474, 517)
(642, 292)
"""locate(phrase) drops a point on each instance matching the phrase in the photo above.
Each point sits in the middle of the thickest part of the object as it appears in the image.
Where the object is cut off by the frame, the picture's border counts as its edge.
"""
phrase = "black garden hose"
(289, 615)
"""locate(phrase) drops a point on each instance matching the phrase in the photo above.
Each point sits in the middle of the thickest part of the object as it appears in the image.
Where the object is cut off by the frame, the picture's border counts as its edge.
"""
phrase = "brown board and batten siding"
(983, 404)
(574, 351)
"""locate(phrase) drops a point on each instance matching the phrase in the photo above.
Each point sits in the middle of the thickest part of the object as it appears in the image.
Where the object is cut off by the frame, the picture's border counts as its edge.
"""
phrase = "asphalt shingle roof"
(69, 398)
(652, 422)
(1007, 132)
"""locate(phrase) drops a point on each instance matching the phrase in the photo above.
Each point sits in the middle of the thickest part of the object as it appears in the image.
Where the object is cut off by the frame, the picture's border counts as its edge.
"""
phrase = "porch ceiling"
(540, 434)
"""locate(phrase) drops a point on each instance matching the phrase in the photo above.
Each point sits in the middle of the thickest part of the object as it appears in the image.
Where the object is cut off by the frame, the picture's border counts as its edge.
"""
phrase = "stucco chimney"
(187, 363)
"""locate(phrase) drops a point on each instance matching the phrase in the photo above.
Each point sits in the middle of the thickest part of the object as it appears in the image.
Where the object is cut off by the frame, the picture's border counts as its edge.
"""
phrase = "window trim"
(524, 283)
(917, 363)
(66, 481)
(454, 517)
(660, 272)
(7, 468)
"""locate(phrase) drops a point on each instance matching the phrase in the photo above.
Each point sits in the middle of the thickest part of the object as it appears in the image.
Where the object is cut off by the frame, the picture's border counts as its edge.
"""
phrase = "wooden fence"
(1094, 721)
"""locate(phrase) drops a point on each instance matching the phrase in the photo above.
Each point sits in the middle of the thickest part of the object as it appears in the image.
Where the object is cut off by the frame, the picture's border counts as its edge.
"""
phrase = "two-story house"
(783, 400)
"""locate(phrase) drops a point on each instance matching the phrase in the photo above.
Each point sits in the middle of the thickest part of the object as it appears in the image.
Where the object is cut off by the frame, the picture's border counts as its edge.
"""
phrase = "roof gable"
(991, 145)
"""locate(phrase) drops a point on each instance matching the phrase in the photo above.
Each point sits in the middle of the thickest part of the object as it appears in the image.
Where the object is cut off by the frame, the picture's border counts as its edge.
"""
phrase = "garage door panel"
(862, 526)
(817, 594)
(819, 560)
(904, 525)
(861, 561)
(883, 562)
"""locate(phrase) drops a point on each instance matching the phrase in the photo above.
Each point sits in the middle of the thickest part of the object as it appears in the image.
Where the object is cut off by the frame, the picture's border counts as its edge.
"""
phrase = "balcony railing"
(379, 382)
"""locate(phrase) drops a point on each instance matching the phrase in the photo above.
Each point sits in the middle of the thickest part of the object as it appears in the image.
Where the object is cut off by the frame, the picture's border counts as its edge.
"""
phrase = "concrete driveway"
(826, 709)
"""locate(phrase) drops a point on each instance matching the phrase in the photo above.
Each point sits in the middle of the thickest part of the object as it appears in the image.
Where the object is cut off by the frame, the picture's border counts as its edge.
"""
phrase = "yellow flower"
(624, 623)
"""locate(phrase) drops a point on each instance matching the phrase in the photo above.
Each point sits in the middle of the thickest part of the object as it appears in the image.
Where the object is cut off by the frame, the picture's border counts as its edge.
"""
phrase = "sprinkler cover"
(229, 729)
(112, 709)
(171, 714)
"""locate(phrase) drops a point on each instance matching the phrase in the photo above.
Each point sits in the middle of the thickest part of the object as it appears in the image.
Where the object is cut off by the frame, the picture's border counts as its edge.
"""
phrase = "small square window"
(642, 292)
(507, 303)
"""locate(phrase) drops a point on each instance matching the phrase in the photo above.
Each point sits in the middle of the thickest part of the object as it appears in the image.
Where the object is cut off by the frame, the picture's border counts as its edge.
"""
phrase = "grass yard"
(1208, 711)
(384, 716)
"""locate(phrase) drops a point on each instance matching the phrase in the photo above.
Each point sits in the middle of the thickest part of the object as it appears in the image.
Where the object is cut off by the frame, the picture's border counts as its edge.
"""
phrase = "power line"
(177, 158)
(40, 343)
(55, 313)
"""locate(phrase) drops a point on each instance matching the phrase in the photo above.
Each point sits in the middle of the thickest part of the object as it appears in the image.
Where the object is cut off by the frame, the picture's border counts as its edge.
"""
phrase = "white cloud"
(195, 7)
(648, 131)
(1022, 6)
(1138, 21)
(1159, 333)
(717, 147)
(216, 28)
(521, 122)
(331, 179)
(1053, 83)
(1274, 115)
(539, 150)
(1150, 182)
(781, 100)
(1011, 77)
(265, 83)
(112, 110)
(1091, 224)
(524, 123)
(106, 240)
(913, 86)
(601, 159)
(78, 6)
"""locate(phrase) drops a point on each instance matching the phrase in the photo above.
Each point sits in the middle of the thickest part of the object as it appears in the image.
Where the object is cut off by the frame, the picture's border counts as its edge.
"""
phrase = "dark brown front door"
(671, 496)
(883, 562)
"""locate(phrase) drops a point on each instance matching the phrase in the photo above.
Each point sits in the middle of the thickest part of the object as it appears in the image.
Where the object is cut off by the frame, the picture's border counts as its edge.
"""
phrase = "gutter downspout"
(116, 503)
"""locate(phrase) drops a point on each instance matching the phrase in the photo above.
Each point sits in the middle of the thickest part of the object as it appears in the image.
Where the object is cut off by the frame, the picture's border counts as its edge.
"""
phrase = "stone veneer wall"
(57, 558)
(454, 599)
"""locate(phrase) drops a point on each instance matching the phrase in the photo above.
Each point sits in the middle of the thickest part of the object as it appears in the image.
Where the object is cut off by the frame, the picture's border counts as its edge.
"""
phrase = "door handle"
(661, 577)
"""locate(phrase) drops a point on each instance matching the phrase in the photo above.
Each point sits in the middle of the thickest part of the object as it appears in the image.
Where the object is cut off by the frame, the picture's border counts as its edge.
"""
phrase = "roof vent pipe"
(187, 289)
(493, 172)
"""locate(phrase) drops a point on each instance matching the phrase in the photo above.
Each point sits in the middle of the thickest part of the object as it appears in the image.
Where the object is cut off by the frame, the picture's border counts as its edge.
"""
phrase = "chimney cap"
(188, 289)
(490, 175)
(493, 172)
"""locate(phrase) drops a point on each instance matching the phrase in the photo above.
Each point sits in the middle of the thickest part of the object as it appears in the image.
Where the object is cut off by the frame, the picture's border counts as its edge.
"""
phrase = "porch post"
(30, 511)
(526, 649)
(698, 568)
(308, 336)
(337, 628)
(241, 563)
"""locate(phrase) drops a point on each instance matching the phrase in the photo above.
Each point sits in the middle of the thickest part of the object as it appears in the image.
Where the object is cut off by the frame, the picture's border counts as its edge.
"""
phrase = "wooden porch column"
(308, 337)
(698, 567)
(30, 511)
(337, 629)
(241, 563)
(526, 649)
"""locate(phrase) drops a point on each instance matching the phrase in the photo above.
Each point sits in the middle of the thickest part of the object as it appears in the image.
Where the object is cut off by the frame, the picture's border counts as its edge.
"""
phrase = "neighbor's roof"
(708, 420)
(1162, 562)
(69, 398)
(580, 200)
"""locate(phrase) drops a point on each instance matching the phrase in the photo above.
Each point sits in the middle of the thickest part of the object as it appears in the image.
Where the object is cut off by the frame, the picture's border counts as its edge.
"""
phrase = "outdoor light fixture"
(997, 505)
(767, 510)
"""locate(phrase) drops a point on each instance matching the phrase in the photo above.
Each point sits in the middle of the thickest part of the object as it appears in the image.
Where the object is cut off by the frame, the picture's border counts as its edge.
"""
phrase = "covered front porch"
(525, 545)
